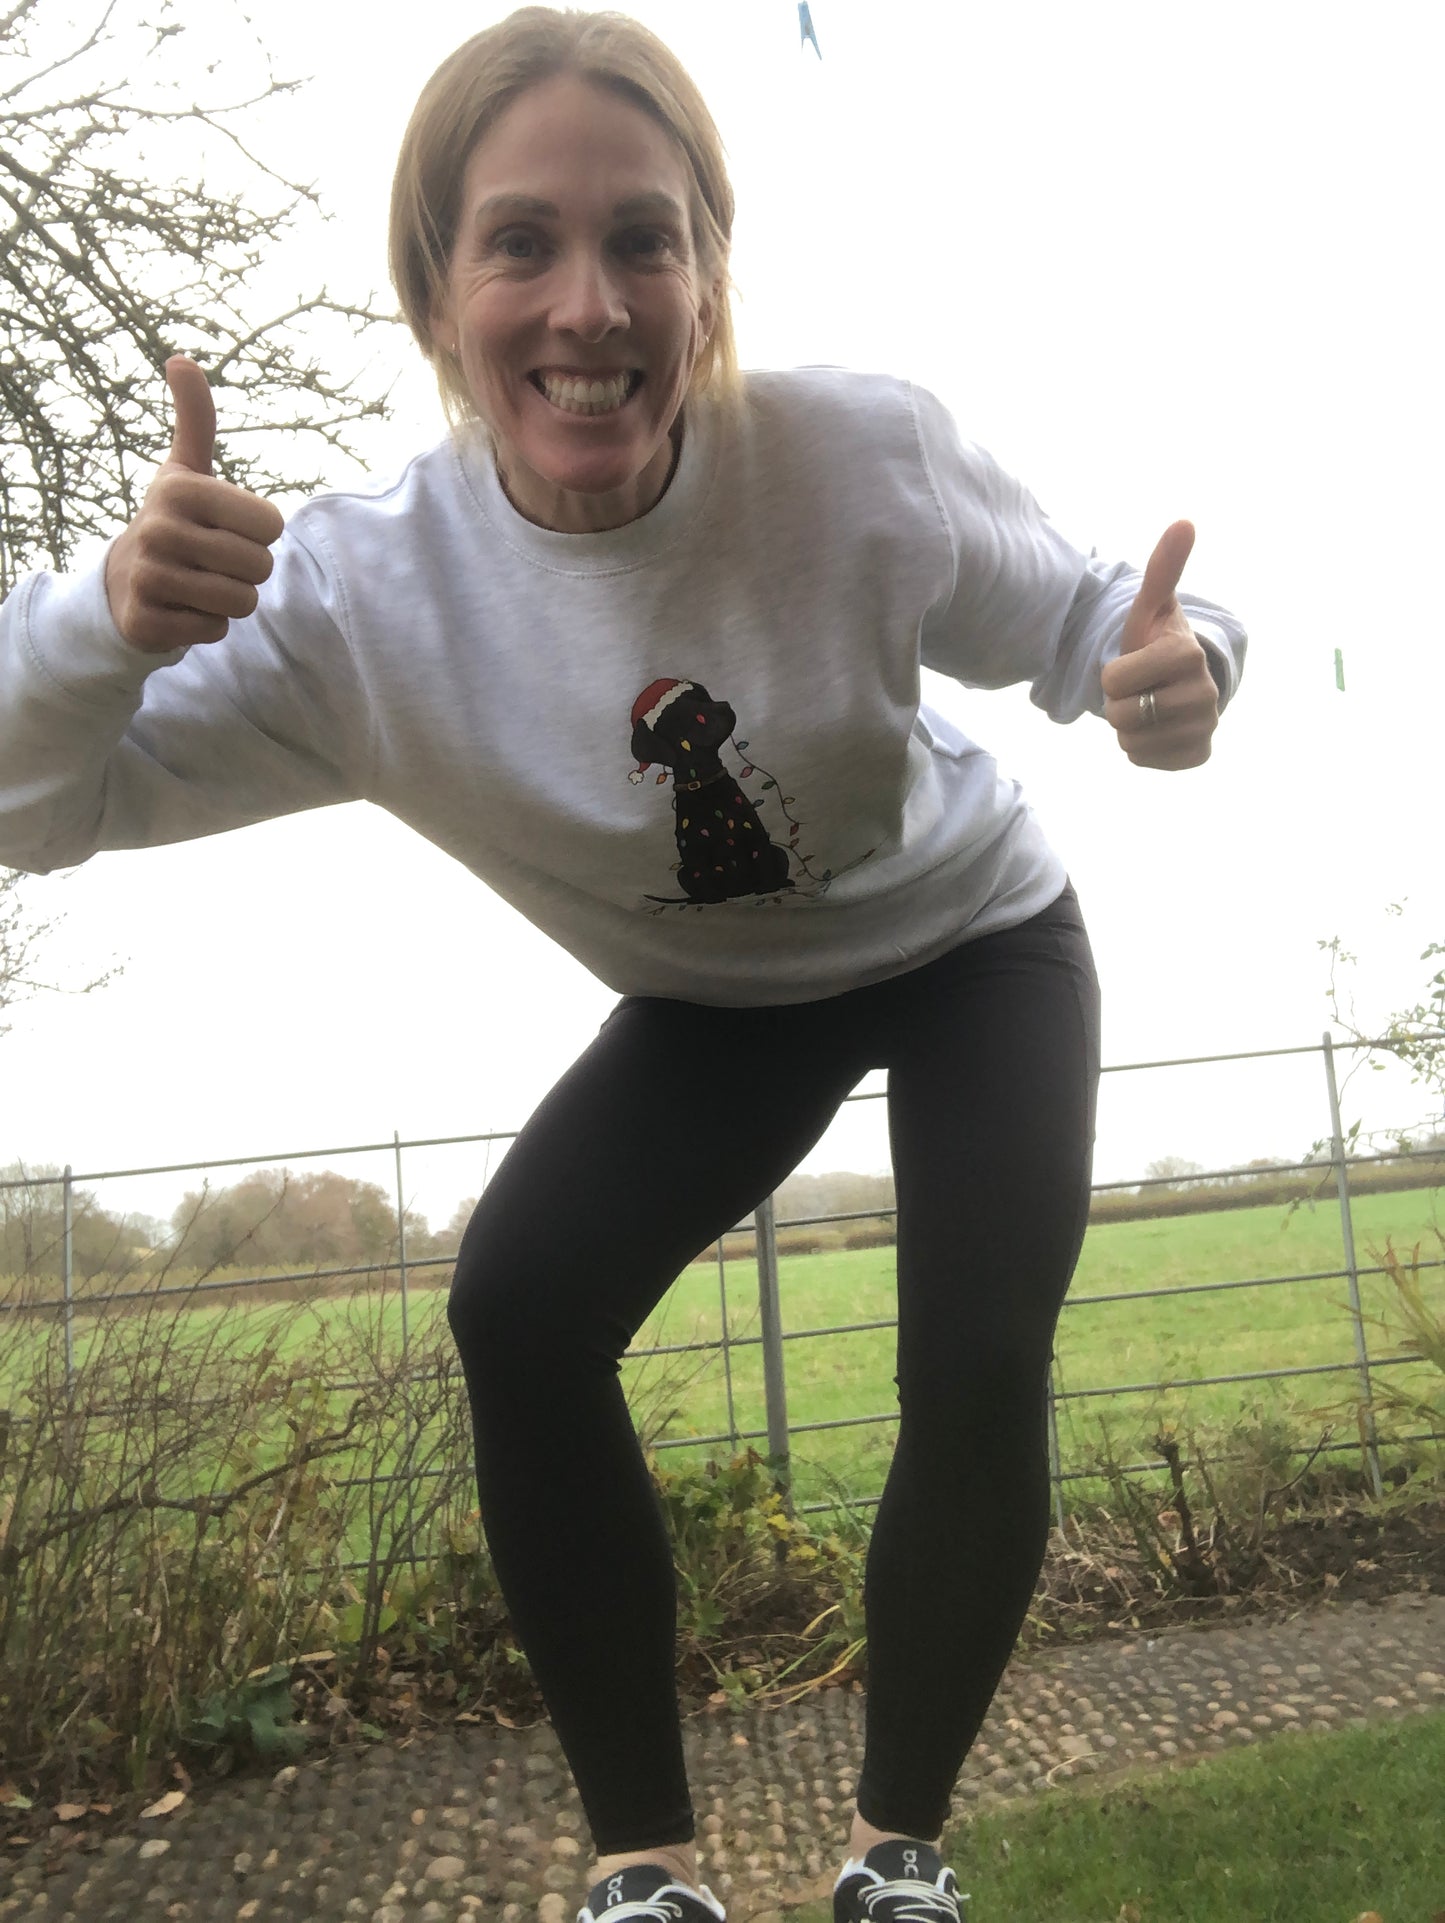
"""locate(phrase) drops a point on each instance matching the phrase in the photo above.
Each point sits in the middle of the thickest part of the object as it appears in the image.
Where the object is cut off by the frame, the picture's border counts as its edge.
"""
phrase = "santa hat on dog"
(655, 698)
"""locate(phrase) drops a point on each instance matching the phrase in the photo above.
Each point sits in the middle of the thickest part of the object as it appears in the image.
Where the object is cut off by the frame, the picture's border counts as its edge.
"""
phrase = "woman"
(640, 644)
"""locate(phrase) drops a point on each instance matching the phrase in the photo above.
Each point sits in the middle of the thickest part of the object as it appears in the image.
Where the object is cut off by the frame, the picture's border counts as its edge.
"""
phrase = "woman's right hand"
(190, 562)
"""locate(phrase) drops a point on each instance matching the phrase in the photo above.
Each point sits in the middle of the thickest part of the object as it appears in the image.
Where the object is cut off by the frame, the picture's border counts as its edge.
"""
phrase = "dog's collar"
(690, 787)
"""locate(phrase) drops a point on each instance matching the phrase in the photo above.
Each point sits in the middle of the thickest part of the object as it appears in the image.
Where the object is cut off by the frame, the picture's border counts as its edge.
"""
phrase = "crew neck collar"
(636, 542)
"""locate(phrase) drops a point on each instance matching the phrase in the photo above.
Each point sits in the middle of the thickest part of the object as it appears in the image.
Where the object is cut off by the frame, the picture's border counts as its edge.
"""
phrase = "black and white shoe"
(898, 1882)
(647, 1893)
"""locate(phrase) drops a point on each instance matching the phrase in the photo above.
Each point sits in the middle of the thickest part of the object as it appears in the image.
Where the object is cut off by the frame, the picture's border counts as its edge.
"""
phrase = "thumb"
(1156, 590)
(194, 439)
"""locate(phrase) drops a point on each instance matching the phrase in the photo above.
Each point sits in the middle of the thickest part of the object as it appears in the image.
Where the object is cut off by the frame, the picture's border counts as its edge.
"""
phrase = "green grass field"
(1303, 1829)
(1129, 1341)
(1138, 1339)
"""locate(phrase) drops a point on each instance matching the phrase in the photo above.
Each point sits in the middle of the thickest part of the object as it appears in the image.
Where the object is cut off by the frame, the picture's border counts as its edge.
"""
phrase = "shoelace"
(916, 1901)
(654, 1910)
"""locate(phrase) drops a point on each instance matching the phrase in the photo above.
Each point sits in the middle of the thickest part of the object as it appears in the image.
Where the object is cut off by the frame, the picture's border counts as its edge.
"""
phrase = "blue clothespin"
(809, 32)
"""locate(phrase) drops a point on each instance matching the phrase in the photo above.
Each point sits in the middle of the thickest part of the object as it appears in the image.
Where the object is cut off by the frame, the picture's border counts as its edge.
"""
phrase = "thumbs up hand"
(190, 562)
(1159, 696)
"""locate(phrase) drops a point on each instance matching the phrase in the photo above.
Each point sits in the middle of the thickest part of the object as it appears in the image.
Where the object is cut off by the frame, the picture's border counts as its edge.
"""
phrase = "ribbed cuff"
(1216, 653)
(75, 642)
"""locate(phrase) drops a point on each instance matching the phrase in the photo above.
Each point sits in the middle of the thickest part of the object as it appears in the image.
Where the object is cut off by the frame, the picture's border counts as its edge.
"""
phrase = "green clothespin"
(1339, 671)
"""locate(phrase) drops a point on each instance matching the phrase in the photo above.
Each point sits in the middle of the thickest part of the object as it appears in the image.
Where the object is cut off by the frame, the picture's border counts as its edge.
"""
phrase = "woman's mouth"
(577, 394)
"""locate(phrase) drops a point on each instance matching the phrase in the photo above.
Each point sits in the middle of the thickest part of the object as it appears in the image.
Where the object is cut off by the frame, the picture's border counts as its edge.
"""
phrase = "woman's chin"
(586, 484)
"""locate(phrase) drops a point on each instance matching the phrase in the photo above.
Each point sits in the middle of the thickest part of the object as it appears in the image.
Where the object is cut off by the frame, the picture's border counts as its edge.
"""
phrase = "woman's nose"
(589, 302)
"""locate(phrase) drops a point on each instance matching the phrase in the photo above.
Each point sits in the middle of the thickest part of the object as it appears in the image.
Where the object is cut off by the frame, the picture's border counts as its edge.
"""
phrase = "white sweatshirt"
(691, 749)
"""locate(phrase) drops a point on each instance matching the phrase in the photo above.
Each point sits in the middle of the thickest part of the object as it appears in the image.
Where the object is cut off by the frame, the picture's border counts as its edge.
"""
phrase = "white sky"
(1163, 262)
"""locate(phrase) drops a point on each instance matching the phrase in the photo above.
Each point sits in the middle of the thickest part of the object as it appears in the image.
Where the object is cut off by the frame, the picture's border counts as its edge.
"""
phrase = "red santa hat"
(656, 696)
(648, 706)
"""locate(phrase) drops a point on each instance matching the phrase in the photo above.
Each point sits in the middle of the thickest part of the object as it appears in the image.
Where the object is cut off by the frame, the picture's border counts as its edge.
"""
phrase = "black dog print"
(726, 851)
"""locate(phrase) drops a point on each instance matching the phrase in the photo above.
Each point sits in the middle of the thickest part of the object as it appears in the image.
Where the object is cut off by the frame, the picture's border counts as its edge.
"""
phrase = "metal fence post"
(775, 1389)
(1347, 1230)
(401, 1250)
(68, 1287)
(67, 1279)
(727, 1359)
(412, 1430)
(1056, 1472)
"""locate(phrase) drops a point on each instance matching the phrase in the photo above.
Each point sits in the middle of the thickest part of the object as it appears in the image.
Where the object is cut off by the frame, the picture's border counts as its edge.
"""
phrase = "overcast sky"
(1163, 262)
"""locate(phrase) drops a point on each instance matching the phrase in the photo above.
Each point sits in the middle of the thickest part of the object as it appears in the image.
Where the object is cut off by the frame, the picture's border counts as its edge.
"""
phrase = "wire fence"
(781, 1430)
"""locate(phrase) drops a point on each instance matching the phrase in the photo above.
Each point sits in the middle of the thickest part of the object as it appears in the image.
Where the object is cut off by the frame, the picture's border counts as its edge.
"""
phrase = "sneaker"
(646, 1893)
(898, 1883)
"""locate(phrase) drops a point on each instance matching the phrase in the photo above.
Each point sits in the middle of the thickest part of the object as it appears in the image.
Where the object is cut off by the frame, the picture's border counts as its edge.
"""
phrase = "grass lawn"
(1308, 1828)
(1139, 1339)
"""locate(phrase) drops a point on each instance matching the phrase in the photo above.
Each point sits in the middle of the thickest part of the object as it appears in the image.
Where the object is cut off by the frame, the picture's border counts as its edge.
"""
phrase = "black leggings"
(671, 1126)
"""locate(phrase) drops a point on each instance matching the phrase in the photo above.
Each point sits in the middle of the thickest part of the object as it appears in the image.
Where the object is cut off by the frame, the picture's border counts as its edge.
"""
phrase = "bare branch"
(66, 59)
(104, 275)
(21, 936)
(15, 15)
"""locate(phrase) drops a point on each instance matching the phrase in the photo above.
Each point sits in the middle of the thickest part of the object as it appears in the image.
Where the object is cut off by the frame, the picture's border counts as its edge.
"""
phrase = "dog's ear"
(645, 745)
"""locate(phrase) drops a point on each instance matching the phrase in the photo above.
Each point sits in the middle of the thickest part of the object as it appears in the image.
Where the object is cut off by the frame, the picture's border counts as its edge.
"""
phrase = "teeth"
(578, 396)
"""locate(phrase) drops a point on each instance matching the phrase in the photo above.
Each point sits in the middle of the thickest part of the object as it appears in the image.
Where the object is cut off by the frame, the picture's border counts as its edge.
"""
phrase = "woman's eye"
(515, 245)
(647, 241)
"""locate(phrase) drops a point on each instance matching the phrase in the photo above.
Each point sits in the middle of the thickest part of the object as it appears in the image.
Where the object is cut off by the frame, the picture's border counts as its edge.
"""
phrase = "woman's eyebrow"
(499, 204)
(650, 206)
(636, 207)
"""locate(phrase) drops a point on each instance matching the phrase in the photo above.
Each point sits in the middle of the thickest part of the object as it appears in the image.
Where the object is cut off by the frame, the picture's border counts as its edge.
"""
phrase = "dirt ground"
(1347, 1555)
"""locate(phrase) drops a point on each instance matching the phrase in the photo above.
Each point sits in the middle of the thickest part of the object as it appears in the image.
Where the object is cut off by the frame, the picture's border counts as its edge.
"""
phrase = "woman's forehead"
(570, 139)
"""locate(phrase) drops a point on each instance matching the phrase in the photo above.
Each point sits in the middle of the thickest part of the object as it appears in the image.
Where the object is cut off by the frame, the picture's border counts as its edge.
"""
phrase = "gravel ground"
(485, 1822)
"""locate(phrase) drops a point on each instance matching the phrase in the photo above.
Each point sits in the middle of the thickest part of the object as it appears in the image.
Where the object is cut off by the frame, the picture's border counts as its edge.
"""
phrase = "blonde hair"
(468, 92)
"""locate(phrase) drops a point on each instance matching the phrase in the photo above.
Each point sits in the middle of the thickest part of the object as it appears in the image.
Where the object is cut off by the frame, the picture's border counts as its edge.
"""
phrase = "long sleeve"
(422, 646)
(1026, 605)
(102, 746)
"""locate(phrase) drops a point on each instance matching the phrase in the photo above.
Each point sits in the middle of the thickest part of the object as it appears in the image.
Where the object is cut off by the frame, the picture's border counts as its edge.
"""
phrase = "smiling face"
(574, 304)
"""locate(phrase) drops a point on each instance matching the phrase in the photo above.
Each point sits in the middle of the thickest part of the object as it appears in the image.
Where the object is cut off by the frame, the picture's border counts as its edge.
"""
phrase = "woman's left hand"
(1160, 653)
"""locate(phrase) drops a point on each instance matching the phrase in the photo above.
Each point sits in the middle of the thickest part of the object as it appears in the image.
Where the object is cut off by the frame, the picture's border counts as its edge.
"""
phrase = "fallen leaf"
(12, 1799)
(1130, 1913)
(1369, 1916)
(101, 1809)
(163, 1805)
(69, 1812)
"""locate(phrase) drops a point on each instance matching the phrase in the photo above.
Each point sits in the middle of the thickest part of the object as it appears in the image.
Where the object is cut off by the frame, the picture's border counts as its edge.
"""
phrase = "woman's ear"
(707, 308)
(443, 332)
